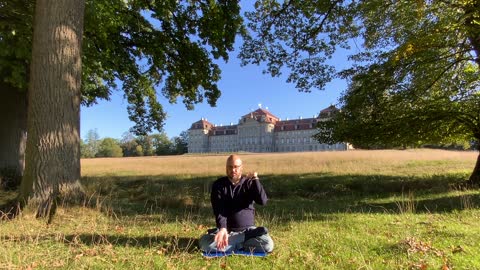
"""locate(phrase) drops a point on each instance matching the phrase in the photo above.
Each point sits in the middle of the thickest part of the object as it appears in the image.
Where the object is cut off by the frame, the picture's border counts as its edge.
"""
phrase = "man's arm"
(218, 205)
(258, 192)
(221, 238)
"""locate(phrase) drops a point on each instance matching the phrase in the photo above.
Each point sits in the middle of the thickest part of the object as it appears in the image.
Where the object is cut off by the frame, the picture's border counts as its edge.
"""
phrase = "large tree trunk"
(474, 179)
(13, 132)
(52, 164)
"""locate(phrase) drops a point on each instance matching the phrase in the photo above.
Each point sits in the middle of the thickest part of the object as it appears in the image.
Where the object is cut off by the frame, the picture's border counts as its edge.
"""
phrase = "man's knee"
(263, 243)
(269, 246)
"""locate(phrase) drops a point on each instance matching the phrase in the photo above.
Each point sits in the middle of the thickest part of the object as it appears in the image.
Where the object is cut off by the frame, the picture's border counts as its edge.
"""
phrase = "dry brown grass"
(392, 162)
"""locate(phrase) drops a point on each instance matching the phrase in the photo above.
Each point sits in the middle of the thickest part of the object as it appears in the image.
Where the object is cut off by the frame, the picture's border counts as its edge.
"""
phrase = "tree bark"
(52, 164)
(474, 179)
(13, 131)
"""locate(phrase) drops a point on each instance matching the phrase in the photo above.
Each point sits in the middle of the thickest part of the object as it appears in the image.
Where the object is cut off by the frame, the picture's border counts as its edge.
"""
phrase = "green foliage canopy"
(16, 32)
(109, 147)
(418, 81)
(181, 143)
(298, 36)
(138, 46)
(89, 148)
(130, 146)
(414, 80)
(162, 144)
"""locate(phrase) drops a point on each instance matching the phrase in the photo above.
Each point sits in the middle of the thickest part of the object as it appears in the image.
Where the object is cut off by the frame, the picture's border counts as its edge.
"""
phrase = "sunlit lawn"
(327, 210)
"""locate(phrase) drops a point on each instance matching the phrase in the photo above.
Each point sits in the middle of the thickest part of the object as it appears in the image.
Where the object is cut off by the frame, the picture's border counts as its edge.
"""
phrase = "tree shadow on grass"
(292, 197)
(324, 186)
(313, 196)
(163, 244)
(296, 196)
(9, 206)
(437, 205)
(132, 195)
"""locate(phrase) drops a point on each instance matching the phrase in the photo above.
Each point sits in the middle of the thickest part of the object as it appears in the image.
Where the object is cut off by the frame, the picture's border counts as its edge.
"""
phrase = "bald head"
(232, 159)
(234, 168)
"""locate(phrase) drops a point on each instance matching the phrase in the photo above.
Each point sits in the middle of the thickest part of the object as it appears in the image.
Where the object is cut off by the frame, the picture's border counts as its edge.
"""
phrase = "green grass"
(416, 217)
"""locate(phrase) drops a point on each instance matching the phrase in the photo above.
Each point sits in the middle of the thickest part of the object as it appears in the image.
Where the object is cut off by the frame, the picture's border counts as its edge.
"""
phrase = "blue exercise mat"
(229, 253)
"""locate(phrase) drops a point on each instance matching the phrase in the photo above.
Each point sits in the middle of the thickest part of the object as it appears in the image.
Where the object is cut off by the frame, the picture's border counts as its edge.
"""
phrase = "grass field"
(327, 210)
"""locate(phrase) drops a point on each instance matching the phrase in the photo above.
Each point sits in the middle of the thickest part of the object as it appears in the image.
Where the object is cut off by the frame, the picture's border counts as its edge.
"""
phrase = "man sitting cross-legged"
(232, 200)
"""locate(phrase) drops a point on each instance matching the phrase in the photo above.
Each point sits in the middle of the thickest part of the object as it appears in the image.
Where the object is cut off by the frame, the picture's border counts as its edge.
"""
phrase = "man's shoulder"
(221, 181)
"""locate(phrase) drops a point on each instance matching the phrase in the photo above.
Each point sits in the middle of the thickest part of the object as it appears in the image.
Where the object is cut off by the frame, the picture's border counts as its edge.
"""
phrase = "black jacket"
(233, 204)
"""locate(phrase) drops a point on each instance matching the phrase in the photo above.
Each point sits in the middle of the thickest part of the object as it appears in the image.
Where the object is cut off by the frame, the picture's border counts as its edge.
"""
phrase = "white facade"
(260, 131)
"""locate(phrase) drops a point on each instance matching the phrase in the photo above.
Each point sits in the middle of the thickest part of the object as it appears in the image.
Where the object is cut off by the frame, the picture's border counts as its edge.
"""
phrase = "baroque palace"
(261, 131)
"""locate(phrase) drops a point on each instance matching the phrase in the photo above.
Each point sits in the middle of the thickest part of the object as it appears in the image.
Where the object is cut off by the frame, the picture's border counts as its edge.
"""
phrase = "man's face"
(234, 169)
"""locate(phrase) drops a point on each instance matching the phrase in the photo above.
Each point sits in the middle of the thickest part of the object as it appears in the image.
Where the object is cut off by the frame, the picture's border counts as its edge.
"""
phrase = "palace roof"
(262, 115)
(202, 124)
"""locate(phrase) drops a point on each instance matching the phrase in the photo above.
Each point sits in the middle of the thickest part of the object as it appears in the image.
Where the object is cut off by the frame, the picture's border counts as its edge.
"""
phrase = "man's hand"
(252, 175)
(221, 238)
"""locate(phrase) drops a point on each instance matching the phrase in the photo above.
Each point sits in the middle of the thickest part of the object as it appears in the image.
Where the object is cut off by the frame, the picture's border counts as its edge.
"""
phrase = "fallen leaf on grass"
(119, 228)
(420, 265)
(78, 256)
(91, 252)
(416, 246)
(161, 251)
(457, 249)
(32, 266)
(58, 264)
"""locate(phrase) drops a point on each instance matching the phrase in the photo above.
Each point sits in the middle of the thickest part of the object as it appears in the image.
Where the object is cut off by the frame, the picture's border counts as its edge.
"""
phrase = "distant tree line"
(133, 146)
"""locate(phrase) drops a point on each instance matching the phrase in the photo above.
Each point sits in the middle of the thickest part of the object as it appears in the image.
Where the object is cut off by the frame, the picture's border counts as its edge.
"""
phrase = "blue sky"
(243, 89)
